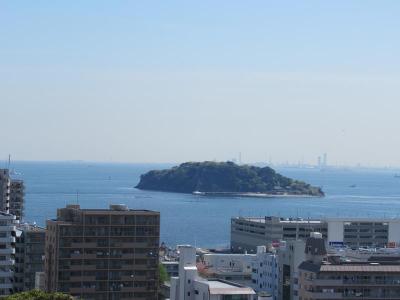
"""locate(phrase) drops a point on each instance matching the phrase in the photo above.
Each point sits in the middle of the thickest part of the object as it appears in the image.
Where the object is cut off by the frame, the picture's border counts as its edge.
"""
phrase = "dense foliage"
(223, 177)
(162, 273)
(38, 295)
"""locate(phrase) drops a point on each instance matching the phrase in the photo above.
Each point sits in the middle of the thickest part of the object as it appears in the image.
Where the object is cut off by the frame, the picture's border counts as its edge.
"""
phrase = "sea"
(198, 220)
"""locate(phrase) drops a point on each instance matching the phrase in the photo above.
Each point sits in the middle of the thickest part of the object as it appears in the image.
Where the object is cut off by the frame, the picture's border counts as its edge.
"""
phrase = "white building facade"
(190, 286)
(265, 272)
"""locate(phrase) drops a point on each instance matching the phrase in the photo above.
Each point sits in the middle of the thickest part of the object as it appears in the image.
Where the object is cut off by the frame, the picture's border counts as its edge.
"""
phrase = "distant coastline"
(252, 195)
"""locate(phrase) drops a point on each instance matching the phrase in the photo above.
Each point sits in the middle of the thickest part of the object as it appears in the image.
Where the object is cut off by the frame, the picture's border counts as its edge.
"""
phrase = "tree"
(38, 295)
(163, 273)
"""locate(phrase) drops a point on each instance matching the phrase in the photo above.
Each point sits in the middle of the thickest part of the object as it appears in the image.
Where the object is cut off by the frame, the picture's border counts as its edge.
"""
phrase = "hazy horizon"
(175, 81)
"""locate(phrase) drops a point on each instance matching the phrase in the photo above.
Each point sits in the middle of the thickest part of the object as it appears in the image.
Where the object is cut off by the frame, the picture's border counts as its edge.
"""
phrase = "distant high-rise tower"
(319, 162)
(325, 160)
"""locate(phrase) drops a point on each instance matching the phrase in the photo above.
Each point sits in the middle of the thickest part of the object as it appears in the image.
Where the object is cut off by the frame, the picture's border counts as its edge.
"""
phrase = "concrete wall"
(335, 231)
(394, 232)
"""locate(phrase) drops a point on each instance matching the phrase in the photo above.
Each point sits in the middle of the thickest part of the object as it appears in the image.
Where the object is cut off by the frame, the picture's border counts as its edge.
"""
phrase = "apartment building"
(328, 277)
(227, 266)
(11, 194)
(8, 224)
(29, 257)
(248, 233)
(17, 193)
(265, 272)
(103, 253)
(5, 189)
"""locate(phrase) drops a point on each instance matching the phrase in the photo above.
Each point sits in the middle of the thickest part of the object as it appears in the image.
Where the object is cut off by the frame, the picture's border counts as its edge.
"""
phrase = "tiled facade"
(103, 254)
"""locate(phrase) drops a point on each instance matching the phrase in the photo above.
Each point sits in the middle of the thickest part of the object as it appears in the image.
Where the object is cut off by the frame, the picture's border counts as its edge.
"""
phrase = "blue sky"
(162, 81)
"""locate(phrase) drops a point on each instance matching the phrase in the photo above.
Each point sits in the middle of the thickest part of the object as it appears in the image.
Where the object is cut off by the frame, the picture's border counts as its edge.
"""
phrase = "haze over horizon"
(175, 81)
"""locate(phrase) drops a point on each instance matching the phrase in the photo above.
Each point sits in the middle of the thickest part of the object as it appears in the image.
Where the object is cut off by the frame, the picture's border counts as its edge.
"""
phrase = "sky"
(174, 81)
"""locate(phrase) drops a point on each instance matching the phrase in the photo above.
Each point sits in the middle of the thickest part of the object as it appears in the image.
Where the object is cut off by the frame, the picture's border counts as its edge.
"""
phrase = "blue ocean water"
(197, 220)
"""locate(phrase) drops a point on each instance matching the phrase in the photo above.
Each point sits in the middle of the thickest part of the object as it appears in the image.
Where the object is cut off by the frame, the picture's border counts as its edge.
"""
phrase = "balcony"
(7, 274)
(7, 251)
(8, 239)
(321, 295)
(83, 245)
(328, 282)
(8, 228)
(81, 278)
(82, 290)
(7, 262)
(6, 286)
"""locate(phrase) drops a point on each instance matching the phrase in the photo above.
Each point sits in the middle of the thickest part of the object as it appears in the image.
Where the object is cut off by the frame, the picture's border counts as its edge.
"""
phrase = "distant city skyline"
(172, 82)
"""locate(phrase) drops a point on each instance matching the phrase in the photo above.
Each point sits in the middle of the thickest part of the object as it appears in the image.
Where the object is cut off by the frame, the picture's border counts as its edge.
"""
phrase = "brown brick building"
(103, 253)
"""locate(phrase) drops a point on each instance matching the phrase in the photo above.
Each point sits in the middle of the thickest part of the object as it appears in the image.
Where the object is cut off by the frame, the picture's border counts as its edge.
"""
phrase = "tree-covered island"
(225, 179)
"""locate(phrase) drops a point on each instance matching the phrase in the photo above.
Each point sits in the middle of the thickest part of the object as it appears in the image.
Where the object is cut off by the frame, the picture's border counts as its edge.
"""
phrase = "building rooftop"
(351, 267)
(222, 287)
(370, 267)
(298, 220)
(114, 208)
(281, 220)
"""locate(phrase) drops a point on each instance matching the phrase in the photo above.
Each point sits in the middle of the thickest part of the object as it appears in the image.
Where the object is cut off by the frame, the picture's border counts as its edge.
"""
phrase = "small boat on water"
(353, 185)
(198, 193)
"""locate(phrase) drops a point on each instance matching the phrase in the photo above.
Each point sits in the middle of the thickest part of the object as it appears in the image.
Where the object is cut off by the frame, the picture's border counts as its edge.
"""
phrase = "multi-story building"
(8, 224)
(17, 198)
(328, 277)
(11, 194)
(103, 253)
(248, 233)
(5, 187)
(29, 257)
(227, 266)
(190, 286)
(265, 272)
(290, 255)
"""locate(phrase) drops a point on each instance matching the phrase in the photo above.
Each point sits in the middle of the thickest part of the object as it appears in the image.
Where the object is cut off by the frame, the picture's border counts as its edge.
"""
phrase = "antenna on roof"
(9, 161)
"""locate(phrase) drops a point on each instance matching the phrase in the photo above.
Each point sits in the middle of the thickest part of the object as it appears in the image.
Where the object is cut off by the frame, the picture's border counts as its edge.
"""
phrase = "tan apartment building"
(103, 253)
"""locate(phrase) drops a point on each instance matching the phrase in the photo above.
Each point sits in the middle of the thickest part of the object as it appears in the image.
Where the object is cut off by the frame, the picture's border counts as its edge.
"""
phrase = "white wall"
(335, 231)
(394, 231)
(239, 262)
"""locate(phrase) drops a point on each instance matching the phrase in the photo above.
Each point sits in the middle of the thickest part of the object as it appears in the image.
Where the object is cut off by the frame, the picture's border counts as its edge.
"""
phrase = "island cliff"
(224, 178)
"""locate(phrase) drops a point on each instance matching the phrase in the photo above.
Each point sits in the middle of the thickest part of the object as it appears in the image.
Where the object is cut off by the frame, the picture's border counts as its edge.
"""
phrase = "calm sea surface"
(199, 220)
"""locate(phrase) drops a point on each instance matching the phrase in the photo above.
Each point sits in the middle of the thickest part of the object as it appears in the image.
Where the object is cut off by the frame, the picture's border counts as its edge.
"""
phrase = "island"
(225, 179)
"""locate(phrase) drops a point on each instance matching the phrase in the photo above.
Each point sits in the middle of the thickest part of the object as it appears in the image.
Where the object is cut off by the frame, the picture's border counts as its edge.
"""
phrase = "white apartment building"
(231, 267)
(190, 286)
(265, 272)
